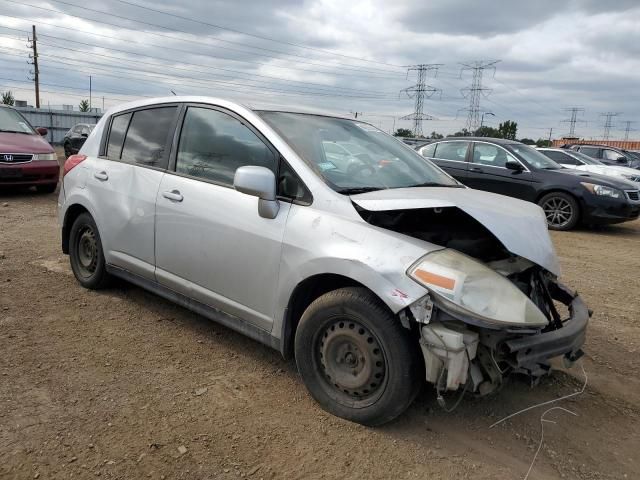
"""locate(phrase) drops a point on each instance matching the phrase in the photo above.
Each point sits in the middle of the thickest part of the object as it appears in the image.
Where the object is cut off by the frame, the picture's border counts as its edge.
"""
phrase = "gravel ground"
(122, 384)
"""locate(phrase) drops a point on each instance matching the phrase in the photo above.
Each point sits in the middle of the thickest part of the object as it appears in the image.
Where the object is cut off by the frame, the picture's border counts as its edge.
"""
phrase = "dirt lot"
(122, 384)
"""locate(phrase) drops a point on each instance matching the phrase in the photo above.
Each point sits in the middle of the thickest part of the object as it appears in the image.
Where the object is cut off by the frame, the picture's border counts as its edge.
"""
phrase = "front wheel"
(561, 210)
(355, 358)
(86, 254)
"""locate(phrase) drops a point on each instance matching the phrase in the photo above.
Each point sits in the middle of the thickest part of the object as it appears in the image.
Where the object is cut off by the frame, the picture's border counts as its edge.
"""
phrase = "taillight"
(71, 162)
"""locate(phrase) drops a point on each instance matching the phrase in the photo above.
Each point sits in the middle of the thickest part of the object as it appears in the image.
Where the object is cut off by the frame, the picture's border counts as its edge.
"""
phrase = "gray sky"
(552, 55)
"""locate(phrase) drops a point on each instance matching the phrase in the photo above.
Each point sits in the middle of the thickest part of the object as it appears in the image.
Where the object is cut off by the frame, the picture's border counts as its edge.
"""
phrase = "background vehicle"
(26, 158)
(240, 216)
(607, 155)
(75, 138)
(517, 170)
(579, 161)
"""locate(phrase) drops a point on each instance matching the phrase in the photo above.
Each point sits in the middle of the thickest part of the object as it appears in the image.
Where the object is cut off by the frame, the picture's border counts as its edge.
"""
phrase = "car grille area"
(15, 157)
(633, 195)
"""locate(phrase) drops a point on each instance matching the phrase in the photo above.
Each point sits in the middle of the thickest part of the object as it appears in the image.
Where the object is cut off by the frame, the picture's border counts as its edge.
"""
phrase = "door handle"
(101, 175)
(477, 169)
(173, 195)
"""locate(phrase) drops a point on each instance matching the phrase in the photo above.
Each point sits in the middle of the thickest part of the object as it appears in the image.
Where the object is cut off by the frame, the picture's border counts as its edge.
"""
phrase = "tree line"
(7, 98)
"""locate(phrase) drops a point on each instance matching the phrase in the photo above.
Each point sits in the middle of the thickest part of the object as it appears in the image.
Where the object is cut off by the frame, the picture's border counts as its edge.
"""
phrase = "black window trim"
(170, 135)
(278, 157)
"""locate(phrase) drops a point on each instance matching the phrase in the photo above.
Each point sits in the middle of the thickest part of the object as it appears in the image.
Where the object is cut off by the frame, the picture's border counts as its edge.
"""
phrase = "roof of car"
(500, 141)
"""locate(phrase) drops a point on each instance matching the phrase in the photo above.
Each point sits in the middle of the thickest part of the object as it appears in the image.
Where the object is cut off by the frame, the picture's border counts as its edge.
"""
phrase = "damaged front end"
(474, 342)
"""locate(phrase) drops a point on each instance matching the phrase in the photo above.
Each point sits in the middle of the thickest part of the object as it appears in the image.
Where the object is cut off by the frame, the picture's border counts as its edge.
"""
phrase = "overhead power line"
(419, 91)
(628, 129)
(306, 47)
(574, 119)
(608, 123)
(475, 91)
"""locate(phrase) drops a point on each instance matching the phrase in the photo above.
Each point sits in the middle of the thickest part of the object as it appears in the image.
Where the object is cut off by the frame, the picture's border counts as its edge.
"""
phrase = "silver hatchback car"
(376, 273)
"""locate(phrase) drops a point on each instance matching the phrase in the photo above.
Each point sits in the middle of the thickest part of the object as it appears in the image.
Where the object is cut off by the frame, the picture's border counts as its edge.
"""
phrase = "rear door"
(487, 171)
(125, 181)
(211, 243)
(450, 155)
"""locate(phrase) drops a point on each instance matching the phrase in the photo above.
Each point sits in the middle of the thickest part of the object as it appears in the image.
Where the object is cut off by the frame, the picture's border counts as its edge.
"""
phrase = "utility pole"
(355, 114)
(628, 129)
(608, 123)
(475, 91)
(550, 133)
(34, 62)
(483, 114)
(89, 92)
(574, 119)
(419, 91)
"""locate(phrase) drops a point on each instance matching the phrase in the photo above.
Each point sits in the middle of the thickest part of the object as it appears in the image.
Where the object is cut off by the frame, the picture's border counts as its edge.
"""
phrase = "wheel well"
(73, 212)
(303, 295)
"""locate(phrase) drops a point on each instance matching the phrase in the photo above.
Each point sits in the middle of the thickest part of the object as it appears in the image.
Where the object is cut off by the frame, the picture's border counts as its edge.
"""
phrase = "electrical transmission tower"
(475, 91)
(419, 91)
(628, 129)
(608, 123)
(574, 119)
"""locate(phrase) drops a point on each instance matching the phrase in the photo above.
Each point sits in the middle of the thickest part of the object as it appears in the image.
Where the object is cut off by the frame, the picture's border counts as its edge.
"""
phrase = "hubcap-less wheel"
(352, 360)
(558, 211)
(87, 251)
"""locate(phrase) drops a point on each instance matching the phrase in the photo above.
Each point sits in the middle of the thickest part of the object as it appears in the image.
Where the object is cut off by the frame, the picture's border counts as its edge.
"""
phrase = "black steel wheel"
(561, 210)
(355, 358)
(85, 253)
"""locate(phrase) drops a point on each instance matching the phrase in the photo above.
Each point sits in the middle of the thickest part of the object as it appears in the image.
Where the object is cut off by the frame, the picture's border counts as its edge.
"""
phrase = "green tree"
(543, 142)
(461, 133)
(528, 141)
(403, 132)
(7, 98)
(84, 105)
(435, 134)
(508, 130)
(485, 131)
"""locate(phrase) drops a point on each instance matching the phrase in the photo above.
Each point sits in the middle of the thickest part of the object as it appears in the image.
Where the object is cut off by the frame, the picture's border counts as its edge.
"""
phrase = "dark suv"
(75, 138)
(608, 155)
(517, 170)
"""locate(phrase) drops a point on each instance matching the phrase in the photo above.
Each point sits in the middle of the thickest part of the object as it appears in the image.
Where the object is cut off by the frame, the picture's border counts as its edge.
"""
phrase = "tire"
(86, 254)
(49, 188)
(67, 150)
(561, 209)
(356, 359)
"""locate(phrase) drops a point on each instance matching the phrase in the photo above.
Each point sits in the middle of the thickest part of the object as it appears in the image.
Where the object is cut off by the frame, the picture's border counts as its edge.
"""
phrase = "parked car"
(26, 159)
(580, 161)
(607, 155)
(517, 170)
(372, 278)
(75, 138)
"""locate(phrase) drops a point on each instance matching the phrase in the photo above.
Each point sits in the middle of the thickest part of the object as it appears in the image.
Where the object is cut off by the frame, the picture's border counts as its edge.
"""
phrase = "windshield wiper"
(435, 184)
(356, 190)
(2, 130)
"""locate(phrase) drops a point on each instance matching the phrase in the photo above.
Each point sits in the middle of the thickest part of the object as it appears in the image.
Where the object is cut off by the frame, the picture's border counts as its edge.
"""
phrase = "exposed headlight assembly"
(464, 285)
(44, 156)
(602, 190)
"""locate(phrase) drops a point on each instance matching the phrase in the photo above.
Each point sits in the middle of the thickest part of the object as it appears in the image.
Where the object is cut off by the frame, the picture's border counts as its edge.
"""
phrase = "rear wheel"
(561, 210)
(356, 359)
(86, 255)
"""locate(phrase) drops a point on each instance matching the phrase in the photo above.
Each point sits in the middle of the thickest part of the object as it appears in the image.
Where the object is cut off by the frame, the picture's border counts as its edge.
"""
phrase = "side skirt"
(229, 321)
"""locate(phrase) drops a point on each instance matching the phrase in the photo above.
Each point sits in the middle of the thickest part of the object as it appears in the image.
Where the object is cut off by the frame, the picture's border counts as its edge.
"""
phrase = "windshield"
(534, 157)
(11, 121)
(584, 158)
(354, 157)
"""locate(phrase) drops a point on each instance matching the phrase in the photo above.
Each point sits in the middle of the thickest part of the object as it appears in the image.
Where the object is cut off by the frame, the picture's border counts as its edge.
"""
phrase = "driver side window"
(491, 155)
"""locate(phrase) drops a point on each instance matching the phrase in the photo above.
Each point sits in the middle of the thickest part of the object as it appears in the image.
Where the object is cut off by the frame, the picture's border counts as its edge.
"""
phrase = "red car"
(26, 158)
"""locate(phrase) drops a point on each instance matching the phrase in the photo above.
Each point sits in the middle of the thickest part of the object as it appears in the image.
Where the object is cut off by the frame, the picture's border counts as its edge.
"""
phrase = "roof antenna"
(173, 92)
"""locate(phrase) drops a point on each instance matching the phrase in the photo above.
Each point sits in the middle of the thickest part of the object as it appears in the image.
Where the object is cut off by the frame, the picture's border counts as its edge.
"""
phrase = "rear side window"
(428, 150)
(118, 130)
(592, 152)
(148, 136)
(213, 145)
(456, 151)
(561, 157)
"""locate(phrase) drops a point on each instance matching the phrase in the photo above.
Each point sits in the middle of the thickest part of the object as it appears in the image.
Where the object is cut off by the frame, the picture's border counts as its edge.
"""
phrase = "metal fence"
(58, 122)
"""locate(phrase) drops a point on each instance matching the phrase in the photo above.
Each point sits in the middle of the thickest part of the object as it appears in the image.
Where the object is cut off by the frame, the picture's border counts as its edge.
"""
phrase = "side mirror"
(84, 134)
(42, 131)
(513, 165)
(258, 182)
(622, 160)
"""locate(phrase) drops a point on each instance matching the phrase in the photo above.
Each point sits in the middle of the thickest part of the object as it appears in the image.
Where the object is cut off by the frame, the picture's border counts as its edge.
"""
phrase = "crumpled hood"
(520, 226)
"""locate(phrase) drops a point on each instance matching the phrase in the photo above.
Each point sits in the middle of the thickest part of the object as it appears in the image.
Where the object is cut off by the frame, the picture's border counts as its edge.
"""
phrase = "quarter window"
(491, 155)
(119, 126)
(147, 137)
(213, 145)
(456, 151)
